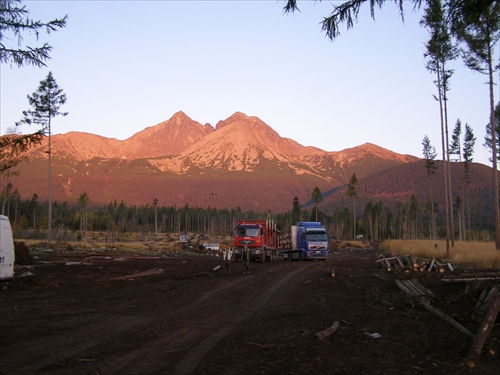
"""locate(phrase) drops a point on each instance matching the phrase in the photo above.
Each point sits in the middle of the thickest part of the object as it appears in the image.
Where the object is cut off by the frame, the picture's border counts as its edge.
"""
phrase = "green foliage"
(487, 138)
(14, 22)
(45, 104)
(14, 146)
(469, 143)
(430, 154)
(351, 187)
(296, 210)
(455, 147)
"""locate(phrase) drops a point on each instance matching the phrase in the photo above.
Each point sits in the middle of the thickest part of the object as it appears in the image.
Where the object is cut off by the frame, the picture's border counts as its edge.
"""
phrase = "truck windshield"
(316, 237)
(247, 232)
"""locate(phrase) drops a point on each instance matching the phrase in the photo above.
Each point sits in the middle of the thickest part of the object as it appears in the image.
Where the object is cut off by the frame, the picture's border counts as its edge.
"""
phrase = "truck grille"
(248, 242)
(317, 247)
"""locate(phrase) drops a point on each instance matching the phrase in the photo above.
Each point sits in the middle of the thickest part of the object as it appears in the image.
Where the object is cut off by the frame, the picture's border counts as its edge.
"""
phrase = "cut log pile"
(409, 263)
(476, 275)
(486, 310)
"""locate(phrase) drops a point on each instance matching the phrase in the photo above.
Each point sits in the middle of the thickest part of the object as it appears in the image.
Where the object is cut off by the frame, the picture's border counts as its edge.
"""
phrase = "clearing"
(104, 312)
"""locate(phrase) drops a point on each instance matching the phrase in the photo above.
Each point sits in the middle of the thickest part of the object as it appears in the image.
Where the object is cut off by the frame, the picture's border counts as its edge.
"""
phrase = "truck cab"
(311, 240)
(261, 237)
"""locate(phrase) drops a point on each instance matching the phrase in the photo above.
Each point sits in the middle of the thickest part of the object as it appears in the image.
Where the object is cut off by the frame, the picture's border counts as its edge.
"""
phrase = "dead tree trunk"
(483, 333)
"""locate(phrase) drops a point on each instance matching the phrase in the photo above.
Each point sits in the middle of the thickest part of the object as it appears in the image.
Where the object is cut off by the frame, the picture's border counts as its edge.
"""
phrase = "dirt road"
(83, 313)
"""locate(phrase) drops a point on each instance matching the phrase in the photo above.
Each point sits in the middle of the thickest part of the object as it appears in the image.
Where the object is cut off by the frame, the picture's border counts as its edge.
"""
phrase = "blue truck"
(309, 240)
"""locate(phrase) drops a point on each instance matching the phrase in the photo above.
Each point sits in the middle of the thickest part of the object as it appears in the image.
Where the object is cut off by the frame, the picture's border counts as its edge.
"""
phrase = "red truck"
(262, 238)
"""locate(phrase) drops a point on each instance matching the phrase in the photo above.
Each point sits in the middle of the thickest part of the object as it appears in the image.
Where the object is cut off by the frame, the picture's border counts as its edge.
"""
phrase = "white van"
(7, 251)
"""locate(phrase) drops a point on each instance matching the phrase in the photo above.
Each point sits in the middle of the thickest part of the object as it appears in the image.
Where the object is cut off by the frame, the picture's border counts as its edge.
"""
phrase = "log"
(446, 318)
(426, 291)
(386, 265)
(398, 259)
(404, 288)
(481, 298)
(483, 306)
(435, 311)
(327, 332)
(154, 271)
(480, 274)
(470, 279)
(439, 266)
(431, 265)
(407, 261)
(412, 288)
(484, 331)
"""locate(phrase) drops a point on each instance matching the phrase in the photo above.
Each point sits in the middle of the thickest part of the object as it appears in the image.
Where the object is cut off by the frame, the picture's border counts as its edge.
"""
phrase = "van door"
(7, 251)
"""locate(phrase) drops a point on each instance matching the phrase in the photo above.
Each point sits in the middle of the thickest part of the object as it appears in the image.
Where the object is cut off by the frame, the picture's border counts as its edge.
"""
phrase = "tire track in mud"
(197, 339)
(84, 338)
(191, 361)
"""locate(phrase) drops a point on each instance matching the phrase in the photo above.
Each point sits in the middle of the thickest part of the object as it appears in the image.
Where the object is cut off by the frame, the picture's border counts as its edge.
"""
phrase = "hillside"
(242, 162)
(396, 185)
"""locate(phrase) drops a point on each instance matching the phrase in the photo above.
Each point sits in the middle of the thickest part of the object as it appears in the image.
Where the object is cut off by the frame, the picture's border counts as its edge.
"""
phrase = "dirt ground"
(94, 312)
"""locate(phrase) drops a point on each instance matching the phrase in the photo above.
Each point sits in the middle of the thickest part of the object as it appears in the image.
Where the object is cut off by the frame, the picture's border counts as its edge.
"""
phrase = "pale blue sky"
(128, 65)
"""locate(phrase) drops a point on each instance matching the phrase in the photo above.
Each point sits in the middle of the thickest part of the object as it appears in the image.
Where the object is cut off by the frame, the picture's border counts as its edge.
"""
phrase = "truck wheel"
(264, 255)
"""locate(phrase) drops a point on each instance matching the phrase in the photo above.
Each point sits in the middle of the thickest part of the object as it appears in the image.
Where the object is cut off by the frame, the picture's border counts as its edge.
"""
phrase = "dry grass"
(132, 247)
(355, 244)
(472, 254)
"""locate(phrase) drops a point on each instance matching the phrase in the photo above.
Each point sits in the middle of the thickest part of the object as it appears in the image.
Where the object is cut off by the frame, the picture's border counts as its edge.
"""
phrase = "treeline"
(72, 221)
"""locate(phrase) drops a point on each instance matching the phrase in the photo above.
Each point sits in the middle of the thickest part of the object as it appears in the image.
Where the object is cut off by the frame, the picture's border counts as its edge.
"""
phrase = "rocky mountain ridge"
(242, 162)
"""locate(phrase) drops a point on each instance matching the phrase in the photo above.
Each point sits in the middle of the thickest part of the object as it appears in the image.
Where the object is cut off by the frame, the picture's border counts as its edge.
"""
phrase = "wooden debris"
(431, 264)
(484, 302)
(421, 287)
(439, 266)
(327, 332)
(484, 331)
(470, 279)
(154, 271)
(433, 310)
(408, 263)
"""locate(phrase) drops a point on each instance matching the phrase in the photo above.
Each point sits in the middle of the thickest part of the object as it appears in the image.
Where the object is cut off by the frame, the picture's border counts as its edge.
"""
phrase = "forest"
(80, 220)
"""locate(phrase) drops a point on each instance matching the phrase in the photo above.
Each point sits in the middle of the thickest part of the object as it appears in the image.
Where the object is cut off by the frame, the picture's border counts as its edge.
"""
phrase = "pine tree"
(468, 152)
(317, 198)
(430, 154)
(439, 52)
(479, 32)
(351, 193)
(296, 210)
(45, 104)
(455, 147)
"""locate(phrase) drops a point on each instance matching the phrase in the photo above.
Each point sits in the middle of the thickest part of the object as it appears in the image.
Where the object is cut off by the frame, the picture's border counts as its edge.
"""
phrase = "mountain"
(242, 162)
(397, 184)
(167, 138)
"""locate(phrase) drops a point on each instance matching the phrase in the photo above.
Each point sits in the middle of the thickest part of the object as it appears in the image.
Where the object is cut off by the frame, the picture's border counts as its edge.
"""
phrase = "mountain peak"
(243, 152)
(179, 117)
(235, 117)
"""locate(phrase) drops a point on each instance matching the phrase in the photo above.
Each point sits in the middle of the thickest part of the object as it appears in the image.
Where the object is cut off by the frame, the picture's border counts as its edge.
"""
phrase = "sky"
(129, 65)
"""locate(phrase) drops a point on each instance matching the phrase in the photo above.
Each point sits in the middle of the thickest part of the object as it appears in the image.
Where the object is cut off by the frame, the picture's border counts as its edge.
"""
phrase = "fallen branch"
(482, 335)
(263, 346)
(327, 332)
(422, 288)
(154, 271)
(433, 310)
(470, 279)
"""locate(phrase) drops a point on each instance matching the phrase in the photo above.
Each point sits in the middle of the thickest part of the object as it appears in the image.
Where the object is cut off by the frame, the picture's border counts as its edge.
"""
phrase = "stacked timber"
(408, 263)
